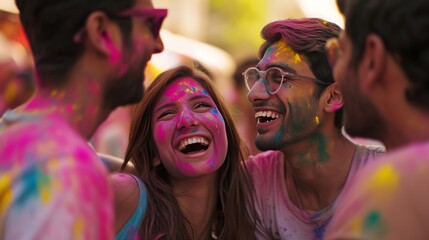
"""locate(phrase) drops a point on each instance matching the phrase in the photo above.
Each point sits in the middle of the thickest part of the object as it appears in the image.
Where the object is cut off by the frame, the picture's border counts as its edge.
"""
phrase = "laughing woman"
(188, 157)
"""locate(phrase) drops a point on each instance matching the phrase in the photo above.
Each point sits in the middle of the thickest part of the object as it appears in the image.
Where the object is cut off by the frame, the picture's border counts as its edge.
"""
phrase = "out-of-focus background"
(220, 36)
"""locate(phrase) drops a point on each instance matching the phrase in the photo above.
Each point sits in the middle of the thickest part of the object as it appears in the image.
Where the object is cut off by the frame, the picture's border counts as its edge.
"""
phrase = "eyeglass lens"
(273, 78)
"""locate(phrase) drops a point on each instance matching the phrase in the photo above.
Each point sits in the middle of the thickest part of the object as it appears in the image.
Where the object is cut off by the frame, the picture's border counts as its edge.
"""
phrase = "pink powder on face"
(161, 133)
(115, 57)
(173, 94)
(188, 110)
(188, 168)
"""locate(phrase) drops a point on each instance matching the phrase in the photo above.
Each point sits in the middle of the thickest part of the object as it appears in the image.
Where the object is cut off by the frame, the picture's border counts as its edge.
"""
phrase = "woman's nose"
(187, 119)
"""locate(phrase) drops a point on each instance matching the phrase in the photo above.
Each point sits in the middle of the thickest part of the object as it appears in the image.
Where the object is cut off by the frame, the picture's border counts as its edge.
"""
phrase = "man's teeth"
(192, 140)
(270, 114)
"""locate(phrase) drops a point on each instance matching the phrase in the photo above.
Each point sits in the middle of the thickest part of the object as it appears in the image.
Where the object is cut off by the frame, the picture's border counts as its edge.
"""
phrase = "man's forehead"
(282, 47)
(279, 53)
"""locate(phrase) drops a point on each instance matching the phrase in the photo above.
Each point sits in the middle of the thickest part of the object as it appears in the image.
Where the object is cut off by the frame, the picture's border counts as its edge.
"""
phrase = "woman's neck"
(197, 198)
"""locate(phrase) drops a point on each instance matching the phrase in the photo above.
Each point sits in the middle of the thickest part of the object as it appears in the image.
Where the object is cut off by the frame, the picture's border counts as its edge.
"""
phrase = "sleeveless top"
(131, 229)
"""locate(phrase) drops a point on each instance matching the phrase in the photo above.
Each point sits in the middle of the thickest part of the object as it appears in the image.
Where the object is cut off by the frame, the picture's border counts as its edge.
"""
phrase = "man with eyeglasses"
(381, 63)
(89, 59)
(298, 111)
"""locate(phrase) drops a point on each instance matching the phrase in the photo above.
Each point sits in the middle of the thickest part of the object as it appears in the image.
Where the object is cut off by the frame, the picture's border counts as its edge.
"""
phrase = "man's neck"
(80, 105)
(412, 128)
(318, 167)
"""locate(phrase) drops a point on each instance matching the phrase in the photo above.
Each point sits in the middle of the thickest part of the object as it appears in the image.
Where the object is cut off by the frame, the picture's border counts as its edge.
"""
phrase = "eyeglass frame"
(160, 13)
(143, 12)
(262, 75)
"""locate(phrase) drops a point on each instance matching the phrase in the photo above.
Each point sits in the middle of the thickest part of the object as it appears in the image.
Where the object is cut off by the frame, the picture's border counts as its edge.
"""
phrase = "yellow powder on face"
(189, 90)
(317, 120)
(297, 58)
(283, 48)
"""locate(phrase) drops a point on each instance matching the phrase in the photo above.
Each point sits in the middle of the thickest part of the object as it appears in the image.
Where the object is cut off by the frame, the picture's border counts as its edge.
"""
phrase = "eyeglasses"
(274, 78)
(155, 16)
(333, 51)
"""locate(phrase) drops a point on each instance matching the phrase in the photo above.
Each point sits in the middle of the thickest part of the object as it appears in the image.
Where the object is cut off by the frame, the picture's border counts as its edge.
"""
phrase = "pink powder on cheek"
(115, 58)
(210, 119)
(114, 54)
(160, 132)
(187, 168)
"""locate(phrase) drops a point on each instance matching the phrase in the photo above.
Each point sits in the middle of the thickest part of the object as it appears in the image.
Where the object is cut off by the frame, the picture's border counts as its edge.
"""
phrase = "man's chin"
(264, 144)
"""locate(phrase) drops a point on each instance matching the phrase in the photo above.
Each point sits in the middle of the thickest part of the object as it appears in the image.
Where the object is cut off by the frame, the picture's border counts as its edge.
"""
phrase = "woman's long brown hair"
(235, 215)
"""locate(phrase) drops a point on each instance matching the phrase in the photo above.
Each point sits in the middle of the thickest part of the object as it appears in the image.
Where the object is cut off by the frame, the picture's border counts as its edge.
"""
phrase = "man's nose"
(259, 91)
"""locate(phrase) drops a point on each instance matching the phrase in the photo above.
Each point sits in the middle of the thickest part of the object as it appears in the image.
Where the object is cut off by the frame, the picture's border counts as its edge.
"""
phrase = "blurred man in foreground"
(89, 59)
(381, 63)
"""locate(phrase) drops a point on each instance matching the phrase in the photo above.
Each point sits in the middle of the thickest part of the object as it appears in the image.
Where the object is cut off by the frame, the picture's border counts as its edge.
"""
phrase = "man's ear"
(333, 98)
(100, 34)
(372, 63)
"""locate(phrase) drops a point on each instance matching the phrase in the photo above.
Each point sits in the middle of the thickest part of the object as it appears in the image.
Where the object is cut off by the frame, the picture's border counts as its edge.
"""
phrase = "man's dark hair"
(306, 36)
(50, 26)
(403, 27)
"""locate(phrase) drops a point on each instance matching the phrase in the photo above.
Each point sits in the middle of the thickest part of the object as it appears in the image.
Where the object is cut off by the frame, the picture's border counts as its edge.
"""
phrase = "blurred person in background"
(89, 59)
(299, 114)
(244, 116)
(111, 137)
(16, 85)
(381, 64)
(16, 77)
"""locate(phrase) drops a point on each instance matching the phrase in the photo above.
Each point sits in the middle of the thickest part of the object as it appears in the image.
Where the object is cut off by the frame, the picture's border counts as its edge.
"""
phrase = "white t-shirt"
(279, 215)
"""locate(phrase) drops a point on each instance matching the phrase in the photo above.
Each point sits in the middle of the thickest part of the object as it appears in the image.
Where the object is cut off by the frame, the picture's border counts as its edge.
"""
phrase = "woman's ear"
(333, 98)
